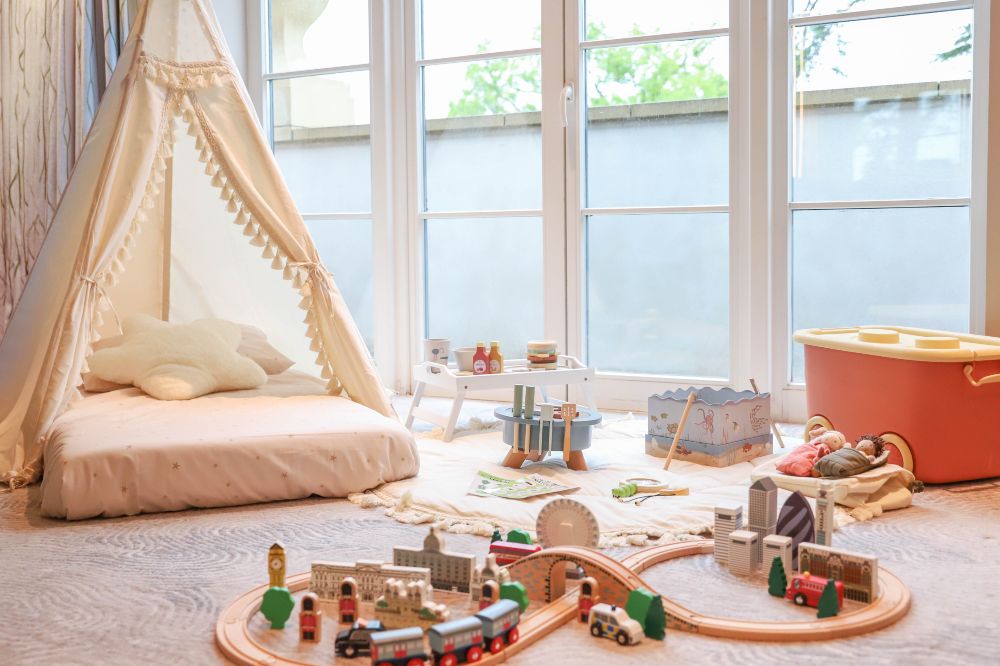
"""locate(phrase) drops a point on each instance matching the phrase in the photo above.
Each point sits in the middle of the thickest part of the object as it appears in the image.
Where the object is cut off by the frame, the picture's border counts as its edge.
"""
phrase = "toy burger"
(542, 354)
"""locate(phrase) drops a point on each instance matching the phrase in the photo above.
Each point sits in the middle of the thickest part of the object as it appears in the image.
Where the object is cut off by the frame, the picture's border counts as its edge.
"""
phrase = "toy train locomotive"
(456, 642)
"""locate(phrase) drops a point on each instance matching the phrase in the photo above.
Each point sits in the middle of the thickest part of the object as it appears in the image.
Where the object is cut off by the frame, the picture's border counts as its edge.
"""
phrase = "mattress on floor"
(123, 452)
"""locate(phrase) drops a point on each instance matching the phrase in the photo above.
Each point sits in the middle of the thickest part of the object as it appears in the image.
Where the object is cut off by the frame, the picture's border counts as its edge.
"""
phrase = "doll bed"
(124, 453)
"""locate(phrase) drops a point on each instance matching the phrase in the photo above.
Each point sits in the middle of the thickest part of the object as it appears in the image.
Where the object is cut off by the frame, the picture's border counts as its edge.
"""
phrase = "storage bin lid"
(911, 344)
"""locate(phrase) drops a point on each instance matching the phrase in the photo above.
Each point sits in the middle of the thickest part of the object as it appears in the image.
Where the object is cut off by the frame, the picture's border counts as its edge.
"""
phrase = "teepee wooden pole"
(680, 428)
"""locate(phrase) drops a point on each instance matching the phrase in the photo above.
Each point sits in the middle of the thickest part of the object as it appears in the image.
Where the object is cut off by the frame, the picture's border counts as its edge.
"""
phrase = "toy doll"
(867, 453)
(801, 460)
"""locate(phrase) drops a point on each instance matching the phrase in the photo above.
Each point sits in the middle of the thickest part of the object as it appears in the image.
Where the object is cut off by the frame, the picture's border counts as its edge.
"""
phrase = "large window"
(880, 165)
(318, 94)
(668, 189)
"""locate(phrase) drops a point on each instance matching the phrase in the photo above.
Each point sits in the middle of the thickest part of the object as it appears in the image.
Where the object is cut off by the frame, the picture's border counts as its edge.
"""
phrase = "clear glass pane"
(902, 266)
(308, 34)
(658, 294)
(463, 27)
(484, 281)
(345, 247)
(321, 140)
(624, 18)
(483, 141)
(657, 124)
(882, 109)
(817, 7)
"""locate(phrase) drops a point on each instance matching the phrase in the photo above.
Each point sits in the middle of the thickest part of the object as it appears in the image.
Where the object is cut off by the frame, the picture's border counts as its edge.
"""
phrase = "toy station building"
(858, 573)
(371, 576)
(448, 570)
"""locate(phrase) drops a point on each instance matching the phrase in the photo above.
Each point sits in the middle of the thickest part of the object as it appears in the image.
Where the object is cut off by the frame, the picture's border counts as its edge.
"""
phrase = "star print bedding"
(124, 453)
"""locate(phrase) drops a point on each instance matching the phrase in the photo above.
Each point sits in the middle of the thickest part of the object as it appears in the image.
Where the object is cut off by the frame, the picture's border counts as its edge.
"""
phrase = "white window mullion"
(573, 179)
(985, 296)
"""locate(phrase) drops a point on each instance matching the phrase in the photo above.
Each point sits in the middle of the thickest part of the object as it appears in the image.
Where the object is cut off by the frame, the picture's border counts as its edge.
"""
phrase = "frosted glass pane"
(907, 267)
(657, 124)
(462, 27)
(321, 141)
(624, 18)
(309, 34)
(882, 109)
(483, 140)
(345, 247)
(484, 281)
(658, 294)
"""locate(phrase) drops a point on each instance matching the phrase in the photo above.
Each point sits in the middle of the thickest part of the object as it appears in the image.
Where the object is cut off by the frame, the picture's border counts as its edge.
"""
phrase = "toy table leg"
(576, 461)
(588, 395)
(535, 456)
(418, 394)
(456, 409)
(514, 459)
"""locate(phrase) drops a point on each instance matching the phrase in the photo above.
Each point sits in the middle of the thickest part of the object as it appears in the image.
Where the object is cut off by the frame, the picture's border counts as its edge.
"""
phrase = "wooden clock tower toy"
(278, 603)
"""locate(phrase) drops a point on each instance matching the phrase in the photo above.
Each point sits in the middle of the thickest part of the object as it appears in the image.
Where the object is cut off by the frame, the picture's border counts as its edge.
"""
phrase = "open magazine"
(533, 485)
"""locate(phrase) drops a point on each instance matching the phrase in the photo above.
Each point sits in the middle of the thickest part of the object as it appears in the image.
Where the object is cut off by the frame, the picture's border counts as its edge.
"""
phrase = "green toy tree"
(828, 606)
(515, 592)
(519, 536)
(777, 582)
(646, 608)
(277, 606)
(496, 535)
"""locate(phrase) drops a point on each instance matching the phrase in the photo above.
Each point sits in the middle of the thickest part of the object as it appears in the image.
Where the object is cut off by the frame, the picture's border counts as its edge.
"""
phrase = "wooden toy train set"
(409, 629)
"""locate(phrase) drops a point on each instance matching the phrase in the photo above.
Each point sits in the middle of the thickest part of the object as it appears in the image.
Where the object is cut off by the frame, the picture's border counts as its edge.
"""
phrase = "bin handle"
(988, 379)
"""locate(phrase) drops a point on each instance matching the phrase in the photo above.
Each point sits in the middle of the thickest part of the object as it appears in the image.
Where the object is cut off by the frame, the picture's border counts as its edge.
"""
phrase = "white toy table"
(569, 371)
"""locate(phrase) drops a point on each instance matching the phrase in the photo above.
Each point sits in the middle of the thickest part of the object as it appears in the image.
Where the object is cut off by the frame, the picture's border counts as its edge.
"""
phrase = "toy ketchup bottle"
(496, 358)
(480, 360)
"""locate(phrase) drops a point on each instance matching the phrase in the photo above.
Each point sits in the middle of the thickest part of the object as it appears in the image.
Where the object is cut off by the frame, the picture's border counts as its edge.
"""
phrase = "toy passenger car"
(613, 622)
(456, 642)
(400, 647)
(354, 641)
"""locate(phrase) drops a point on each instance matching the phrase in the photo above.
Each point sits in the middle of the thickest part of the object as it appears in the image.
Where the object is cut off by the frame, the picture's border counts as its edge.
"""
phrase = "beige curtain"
(56, 58)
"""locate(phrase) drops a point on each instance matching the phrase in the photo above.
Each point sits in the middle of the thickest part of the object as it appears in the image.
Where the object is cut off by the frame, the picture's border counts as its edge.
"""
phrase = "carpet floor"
(148, 589)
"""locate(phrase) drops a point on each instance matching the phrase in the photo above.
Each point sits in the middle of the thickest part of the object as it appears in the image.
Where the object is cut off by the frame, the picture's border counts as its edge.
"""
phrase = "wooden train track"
(893, 602)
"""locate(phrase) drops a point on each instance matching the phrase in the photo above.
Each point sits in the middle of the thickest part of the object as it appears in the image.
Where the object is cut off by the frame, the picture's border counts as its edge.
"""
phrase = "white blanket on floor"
(123, 452)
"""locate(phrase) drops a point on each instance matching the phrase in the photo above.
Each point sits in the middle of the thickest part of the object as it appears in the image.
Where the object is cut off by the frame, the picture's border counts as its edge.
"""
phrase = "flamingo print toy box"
(724, 426)
(933, 396)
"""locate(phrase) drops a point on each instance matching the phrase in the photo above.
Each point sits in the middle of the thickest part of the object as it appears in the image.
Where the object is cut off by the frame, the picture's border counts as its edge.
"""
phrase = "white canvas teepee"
(176, 209)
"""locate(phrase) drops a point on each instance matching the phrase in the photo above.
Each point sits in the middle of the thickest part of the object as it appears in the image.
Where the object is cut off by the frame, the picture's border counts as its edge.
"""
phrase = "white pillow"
(178, 361)
(254, 345)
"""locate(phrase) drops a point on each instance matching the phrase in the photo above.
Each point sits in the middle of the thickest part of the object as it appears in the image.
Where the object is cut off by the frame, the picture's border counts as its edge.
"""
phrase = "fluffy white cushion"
(178, 361)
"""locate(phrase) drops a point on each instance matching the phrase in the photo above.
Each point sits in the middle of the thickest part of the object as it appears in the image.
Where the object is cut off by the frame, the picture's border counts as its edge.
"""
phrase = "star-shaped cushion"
(178, 361)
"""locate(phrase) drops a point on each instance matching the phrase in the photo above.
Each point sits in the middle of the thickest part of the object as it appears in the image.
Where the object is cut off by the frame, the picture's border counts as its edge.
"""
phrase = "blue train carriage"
(400, 647)
(499, 622)
(456, 642)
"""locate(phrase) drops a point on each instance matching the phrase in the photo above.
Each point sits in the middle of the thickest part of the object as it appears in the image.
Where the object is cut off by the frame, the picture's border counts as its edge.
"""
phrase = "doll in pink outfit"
(802, 458)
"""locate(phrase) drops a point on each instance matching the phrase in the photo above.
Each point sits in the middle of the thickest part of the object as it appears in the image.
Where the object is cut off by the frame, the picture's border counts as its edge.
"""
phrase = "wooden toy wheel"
(474, 654)
(496, 644)
(416, 662)
(448, 660)
(817, 420)
(899, 450)
(513, 635)
(595, 630)
(622, 638)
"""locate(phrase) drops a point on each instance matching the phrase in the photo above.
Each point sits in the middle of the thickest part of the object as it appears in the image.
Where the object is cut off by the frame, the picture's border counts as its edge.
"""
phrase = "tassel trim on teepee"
(299, 273)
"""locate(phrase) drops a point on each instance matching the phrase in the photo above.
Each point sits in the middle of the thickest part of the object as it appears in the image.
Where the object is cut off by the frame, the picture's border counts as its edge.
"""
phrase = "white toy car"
(613, 622)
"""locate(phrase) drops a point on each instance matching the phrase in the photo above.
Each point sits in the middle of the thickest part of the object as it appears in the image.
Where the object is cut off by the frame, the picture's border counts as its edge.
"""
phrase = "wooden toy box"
(724, 427)
(934, 396)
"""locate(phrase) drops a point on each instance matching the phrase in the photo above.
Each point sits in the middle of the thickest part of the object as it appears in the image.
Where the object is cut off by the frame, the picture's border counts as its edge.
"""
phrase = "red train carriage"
(507, 551)
(456, 642)
(500, 622)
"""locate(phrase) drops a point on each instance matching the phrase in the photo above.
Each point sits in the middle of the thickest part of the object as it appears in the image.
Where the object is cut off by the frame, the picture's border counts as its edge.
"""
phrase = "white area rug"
(439, 493)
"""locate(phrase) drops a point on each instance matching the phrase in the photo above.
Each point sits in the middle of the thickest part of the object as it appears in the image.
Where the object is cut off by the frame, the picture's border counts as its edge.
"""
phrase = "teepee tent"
(175, 209)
